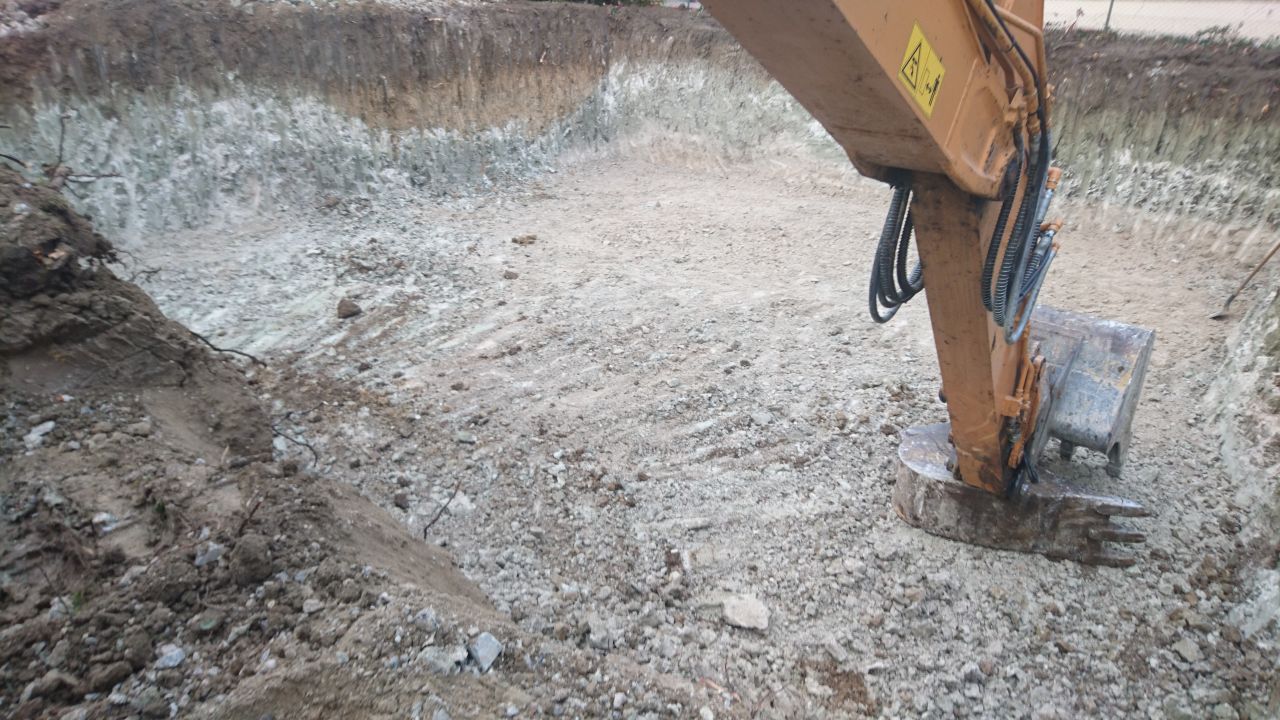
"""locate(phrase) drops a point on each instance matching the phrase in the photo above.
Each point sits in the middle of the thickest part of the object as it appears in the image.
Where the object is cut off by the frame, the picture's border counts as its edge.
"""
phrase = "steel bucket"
(1095, 372)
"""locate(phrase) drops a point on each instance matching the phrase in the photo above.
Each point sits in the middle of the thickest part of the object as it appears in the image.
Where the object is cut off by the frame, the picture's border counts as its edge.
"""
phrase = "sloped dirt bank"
(1246, 398)
(155, 561)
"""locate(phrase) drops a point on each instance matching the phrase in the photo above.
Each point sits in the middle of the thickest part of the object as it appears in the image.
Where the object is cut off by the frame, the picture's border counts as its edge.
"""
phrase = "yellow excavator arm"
(949, 102)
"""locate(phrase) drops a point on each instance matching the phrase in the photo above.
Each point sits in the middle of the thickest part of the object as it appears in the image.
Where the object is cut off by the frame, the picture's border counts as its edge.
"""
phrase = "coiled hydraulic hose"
(1013, 175)
(891, 284)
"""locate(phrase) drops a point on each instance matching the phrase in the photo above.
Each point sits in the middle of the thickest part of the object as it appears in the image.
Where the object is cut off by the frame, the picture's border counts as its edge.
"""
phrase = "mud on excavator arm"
(949, 102)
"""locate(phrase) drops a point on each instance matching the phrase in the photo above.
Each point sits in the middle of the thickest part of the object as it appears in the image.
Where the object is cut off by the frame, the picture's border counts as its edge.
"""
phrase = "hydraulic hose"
(1024, 230)
(1013, 313)
(1039, 270)
(892, 285)
(1013, 176)
(1008, 291)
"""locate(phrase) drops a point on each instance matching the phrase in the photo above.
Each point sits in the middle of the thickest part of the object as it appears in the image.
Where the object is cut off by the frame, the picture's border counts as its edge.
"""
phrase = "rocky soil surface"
(158, 559)
(643, 407)
(547, 387)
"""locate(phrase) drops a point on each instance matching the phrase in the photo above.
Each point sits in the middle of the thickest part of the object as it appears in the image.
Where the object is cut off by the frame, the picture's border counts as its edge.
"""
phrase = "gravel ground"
(661, 426)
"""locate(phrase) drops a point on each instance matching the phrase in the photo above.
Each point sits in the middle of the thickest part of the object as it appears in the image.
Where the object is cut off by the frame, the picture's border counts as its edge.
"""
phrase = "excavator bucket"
(1095, 373)
(1096, 369)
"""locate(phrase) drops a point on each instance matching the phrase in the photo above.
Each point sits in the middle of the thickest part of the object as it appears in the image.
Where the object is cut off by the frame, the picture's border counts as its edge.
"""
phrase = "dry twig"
(315, 456)
(248, 517)
(443, 507)
(241, 353)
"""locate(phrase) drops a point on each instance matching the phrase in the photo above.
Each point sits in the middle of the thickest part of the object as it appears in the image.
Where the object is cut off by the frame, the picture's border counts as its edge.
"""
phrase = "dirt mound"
(43, 240)
(156, 562)
(73, 326)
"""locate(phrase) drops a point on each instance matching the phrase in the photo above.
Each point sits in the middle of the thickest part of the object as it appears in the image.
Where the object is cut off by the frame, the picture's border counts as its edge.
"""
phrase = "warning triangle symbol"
(911, 68)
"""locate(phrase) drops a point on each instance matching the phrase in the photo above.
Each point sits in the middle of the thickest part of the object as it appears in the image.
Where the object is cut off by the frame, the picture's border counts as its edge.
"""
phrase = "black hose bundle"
(1008, 292)
(1012, 176)
(891, 284)
(1026, 255)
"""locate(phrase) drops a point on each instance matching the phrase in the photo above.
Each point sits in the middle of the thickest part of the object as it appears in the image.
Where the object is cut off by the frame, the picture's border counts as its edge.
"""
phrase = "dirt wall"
(206, 109)
(1170, 124)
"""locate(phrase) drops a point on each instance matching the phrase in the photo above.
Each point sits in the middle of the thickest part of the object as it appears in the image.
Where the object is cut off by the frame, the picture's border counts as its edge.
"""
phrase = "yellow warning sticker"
(922, 70)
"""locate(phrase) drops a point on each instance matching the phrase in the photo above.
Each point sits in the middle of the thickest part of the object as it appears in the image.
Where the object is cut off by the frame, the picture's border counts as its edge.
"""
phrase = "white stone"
(1188, 649)
(746, 611)
(169, 656)
(35, 438)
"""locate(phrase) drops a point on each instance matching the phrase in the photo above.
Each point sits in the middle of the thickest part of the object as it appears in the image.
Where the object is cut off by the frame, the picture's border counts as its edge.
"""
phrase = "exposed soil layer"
(1172, 75)
(387, 64)
(1168, 124)
(206, 106)
(442, 65)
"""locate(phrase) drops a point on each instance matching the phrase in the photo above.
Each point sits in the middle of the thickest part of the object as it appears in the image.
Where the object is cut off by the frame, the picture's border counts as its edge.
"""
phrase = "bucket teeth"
(1116, 534)
(1048, 517)
(1120, 507)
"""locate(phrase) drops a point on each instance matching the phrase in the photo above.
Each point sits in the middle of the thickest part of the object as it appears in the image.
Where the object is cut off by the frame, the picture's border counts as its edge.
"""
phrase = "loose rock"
(484, 650)
(1188, 649)
(746, 611)
(35, 438)
(443, 660)
(251, 560)
(169, 656)
(105, 677)
(347, 308)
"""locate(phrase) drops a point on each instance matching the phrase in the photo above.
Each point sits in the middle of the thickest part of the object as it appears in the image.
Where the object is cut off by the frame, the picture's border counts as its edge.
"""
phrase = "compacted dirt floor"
(647, 395)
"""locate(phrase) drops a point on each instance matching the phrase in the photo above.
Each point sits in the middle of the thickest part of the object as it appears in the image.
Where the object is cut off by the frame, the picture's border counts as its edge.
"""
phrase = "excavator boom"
(949, 102)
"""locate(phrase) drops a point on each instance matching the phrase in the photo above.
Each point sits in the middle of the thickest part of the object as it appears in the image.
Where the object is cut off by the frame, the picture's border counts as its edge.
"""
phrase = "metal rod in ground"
(1256, 268)
(1106, 26)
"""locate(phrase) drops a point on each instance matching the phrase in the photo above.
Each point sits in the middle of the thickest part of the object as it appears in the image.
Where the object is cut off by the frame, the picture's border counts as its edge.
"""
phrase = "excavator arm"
(949, 102)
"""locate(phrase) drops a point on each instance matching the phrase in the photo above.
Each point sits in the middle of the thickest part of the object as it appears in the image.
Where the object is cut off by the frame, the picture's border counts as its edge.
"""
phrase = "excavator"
(949, 102)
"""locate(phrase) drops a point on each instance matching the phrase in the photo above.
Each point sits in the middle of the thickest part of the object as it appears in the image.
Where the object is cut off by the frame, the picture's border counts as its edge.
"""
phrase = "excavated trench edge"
(209, 112)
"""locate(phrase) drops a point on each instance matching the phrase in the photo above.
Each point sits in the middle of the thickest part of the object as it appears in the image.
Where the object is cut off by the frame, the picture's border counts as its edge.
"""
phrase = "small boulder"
(105, 677)
(209, 553)
(54, 684)
(443, 660)
(207, 622)
(35, 438)
(347, 308)
(142, 428)
(251, 560)
(1188, 649)
(169, 656)
(484, 649)
(746, 611)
